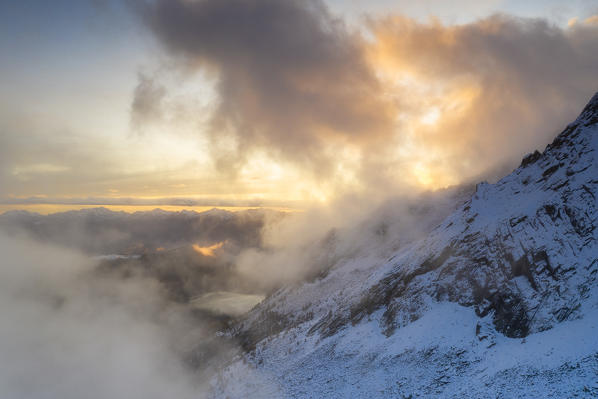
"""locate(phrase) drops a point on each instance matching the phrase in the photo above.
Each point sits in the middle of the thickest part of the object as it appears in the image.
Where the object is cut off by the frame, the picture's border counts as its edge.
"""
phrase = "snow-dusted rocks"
(500, 299)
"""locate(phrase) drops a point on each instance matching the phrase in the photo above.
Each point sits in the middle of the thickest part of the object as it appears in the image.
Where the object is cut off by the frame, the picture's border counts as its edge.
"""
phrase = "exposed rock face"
(521, 253)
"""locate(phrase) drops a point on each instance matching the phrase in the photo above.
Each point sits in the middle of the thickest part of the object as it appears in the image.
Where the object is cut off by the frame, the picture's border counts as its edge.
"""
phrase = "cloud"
(400, 103)
(147, 101)
(592, 20)
(291, 78)
(67, 333)
(309, 245)
(502, 85)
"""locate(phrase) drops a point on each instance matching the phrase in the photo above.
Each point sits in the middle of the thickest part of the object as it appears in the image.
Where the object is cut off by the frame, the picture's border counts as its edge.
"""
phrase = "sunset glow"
(208, 251)
(399, 99)
(297, 199)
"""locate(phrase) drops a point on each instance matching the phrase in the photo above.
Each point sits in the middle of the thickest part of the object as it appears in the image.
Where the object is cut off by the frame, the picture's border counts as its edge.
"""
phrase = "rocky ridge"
(518, 260)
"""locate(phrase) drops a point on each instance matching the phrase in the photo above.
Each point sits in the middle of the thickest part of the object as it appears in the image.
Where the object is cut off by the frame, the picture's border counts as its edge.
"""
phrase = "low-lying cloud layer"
(67, 333)
(102, 232)
(400, 102)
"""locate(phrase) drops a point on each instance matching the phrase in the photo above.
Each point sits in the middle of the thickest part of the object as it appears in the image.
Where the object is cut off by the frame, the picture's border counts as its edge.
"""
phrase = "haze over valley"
(298, 199)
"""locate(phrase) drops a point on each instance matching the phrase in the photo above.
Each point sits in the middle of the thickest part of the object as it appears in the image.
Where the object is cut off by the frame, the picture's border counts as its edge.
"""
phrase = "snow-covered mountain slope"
(500, 299)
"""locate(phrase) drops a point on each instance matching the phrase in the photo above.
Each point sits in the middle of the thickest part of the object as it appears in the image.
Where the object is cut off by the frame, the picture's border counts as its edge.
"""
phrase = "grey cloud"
(290, 76)
(293, 81)
(147, 102)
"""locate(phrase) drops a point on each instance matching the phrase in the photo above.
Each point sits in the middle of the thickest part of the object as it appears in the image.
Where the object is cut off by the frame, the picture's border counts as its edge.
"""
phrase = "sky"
(280, 102)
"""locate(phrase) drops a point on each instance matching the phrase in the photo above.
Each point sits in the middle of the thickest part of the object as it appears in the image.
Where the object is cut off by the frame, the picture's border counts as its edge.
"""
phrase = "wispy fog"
(308, 245)
(67, 332)
(144, 325)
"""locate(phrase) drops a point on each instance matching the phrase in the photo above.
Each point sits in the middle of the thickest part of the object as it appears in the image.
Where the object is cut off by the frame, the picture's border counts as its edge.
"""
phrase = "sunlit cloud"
(209, 251)
(470, 94)
(284, 101)
(572, 21)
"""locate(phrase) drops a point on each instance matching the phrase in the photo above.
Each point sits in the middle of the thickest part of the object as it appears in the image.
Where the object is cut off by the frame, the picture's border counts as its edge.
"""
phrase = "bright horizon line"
(47, 205)
(231, 201)
(49, 209)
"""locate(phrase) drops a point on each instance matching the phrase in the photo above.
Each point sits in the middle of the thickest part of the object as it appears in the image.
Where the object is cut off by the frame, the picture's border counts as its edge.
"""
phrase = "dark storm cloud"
(290, 76)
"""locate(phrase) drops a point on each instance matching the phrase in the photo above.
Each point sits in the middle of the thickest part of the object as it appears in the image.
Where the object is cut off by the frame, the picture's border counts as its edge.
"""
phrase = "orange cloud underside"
(208, 251)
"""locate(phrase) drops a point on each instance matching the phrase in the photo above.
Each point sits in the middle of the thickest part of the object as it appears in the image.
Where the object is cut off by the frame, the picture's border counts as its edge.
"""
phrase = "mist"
(376, 117)
(354, 135)
(69, 332)
(144, 326)
(307, 246)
